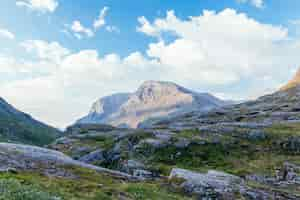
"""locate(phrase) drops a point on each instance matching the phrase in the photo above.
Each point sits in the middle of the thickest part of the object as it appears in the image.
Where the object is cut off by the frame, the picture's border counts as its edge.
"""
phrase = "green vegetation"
(12, 189)
(236, 155)
(281, 131)
(189, 134)
(87, 185)
(16, 130)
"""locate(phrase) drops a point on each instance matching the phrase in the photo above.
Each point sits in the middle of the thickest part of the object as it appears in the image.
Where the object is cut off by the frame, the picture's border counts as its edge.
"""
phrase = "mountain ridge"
(18, 126)
(151, 99)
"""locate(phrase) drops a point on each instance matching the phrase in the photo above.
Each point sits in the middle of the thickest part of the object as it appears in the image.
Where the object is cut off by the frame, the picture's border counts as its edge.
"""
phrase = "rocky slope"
(152, 99)
(280, 107)
(31, 173)
(17, 126)
(242, 162)
(245, 151)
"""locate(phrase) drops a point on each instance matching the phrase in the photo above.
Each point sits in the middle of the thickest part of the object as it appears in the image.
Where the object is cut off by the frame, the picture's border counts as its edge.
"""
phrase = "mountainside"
(282, 106)
(152, 99)
(17, 126)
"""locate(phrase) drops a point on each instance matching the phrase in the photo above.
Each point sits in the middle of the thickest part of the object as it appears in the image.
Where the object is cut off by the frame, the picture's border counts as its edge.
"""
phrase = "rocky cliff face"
(17, 126)
(152, 99)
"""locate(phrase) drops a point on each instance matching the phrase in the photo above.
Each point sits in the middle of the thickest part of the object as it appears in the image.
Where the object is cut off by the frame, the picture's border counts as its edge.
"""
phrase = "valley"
(247, 151)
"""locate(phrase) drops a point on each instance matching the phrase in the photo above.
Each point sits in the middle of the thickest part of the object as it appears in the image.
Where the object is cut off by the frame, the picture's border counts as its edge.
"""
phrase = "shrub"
(11, 189)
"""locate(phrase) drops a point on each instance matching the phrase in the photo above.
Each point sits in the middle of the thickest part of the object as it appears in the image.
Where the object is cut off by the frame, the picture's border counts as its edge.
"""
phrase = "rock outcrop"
(49, 162)
(221, 186)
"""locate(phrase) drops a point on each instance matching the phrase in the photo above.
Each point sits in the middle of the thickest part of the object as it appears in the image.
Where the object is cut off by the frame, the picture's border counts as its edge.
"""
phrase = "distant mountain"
(282, 106)
(16, 126)
(152, 99)
(295, 81)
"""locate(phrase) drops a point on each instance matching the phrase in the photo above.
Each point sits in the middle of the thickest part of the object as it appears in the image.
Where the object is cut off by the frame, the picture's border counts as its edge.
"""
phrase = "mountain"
(20, 127)
(152, 99)
(295, 81)
(282, 106)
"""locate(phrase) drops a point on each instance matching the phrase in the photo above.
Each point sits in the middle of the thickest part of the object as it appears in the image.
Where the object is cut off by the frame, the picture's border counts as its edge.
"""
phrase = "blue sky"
(57, 56)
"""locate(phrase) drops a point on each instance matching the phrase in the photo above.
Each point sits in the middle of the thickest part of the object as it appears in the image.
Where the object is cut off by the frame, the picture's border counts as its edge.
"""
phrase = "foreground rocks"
(31, 158)
(222, 186)
(213, 184)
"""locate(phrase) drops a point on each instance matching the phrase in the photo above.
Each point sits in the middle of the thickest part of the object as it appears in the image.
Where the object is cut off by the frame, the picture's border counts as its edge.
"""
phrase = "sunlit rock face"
(152, 99)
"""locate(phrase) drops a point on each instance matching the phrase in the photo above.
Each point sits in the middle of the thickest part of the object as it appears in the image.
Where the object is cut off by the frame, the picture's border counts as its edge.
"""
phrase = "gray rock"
(31, 158)
(215, 185)
(182, 143)
(155, 143)
(213, 182)
(256, 135)
(64, 141)
(95, 156)
(289, 173)
(142, 174)
(129, 166)
(81, 150)
(291, 144)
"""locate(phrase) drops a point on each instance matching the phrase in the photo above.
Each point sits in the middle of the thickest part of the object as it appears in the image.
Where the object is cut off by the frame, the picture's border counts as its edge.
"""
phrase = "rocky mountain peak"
(295, 81)
(152, 90)
(151, 100)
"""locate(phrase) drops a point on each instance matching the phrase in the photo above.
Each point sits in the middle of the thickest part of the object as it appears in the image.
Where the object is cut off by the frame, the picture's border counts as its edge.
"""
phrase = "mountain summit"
(151, 100)
(295, 81)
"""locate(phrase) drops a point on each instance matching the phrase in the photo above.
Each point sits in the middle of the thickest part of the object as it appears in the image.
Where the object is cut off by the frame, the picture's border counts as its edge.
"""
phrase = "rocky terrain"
(246, 151)
(16, 126)
(152, 99)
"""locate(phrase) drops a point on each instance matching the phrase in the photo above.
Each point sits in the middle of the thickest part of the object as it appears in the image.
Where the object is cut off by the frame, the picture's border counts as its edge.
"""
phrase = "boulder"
(95, 156)
(256, 135)
(289, 173)
(130, 165)
(213, 184)
(143, 174)
(155, 143)
(182, 143)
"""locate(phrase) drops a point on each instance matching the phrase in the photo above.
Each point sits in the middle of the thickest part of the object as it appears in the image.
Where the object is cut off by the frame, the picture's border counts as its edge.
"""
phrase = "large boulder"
(211, 185)
(215, 185)
(95, 156)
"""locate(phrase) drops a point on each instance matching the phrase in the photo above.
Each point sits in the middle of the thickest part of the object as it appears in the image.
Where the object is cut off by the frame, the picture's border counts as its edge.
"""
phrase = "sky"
(58, 56)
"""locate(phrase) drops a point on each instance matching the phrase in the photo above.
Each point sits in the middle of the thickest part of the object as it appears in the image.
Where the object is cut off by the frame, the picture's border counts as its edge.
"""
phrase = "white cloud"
(146, 27)
(78, 28)
(39, 5)
(6, 34)
(256, 3)
(79, 31)
(100, 21)
(217, 48)
(49, 51)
